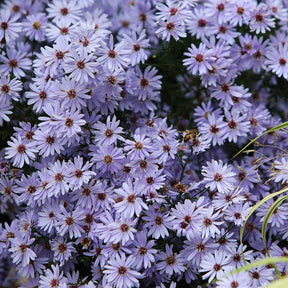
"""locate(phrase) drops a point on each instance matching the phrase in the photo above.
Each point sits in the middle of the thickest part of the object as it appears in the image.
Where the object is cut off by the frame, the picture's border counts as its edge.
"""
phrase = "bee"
(191, 134)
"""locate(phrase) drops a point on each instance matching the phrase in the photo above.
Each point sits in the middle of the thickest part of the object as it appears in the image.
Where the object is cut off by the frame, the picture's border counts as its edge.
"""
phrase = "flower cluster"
(99, 184)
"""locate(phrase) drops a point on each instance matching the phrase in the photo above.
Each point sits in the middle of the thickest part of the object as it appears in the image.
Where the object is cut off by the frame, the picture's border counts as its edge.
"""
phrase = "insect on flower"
(190, 135)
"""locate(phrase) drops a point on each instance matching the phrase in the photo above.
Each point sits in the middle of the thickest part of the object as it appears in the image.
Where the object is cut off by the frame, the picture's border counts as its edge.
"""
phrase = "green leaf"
(256, 206)
(279, 283)
(278, 127)
(261, 262)
(268, 215)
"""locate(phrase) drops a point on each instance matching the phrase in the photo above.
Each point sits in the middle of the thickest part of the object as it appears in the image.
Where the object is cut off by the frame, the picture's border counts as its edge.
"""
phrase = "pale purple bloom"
(148, 82)
(20, 152)
(186, 218)
(70, 223)
(81, 68)
(69, 123)
(240, 280)
(218, 176)
(20, 251)
(209, 223)
(139, 148)
(53, 278)
(15, 62)
(120, 274)
(113, 57)
(108, 133)
(34, 27)
(79, 173)
(64, 9)
(215, 265)
(171, 262)
(5, 109)
(277, 60)
(199, 59)
(214, 130)
(171, 27)
(9, 89)
(260, 19)
(73, 93)
(47, 216)
(62, 250)
(58, 183)
(108, 159)
(9, 27)
(237, 125)
(157, 223)
(131, 203)
(136, 45)
(143, 252)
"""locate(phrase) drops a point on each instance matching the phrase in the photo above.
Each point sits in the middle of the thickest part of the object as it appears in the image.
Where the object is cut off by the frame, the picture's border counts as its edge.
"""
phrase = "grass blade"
(256, 206)
(278, 127)
(280, 283)
(268, 215)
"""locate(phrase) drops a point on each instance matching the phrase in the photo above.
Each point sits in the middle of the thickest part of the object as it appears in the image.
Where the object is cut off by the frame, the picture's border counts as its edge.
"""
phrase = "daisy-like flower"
(218, 176)
(81, 68)
(20, 251)
(9, 25)
(170, 262)
(261, 19)
(119, 272)
(35, 27)
(47, 216)
(197, 247)
(261, 276)
(215, 264)
(148, 82)
(277, 60)
(9, 88)
(199, 59)
(62, 250)
(73, 93)
(226, 90)
(157, 223)
(70, 222)
(108, 159)
(79, 173)
(143, 252)
(214, 130)
(108, 133)
(240, 280)
(112, 57)
(237, 213)
(69, 123)
(64, 9)
(52, 59)
(237, 125)
(84, 42)
(209, 223)
(122, 229)
(47, 143)
(139, 148)
(171, 28)
(186, 218)
(20, 152)
(15, 63)
(136, 46)
(165, 149)
(58, 183)
(52, 278)
(131, 203)
(198, 24)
